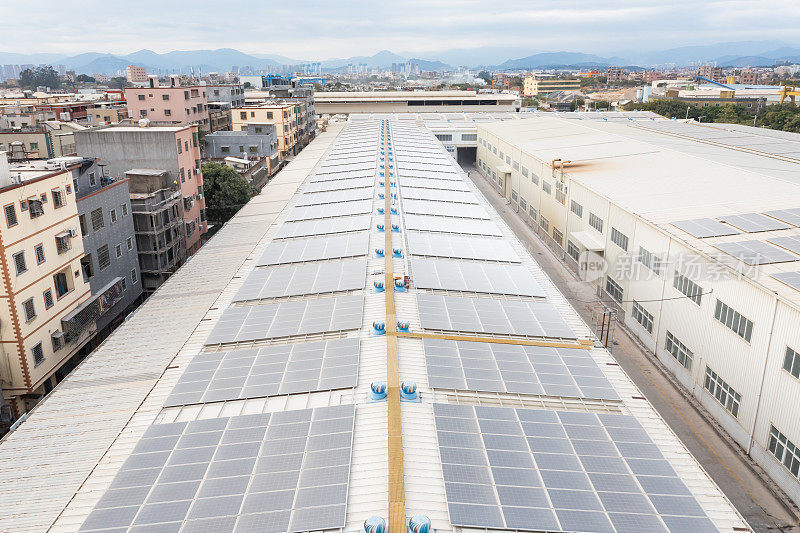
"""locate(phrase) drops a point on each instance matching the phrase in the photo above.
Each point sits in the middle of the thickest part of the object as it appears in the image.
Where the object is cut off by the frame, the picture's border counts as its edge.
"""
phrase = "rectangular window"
(92, 179)
(576, 208)
(573, 251)
(97, 219)
(596, 222)
(469, 136)
(734, 320)
(58, 198)
(124, 210)
(525, 172)
(643, 317)
(444, 137)
(679, 351)
(619, 238)
(38, 354)
(613, 289)
(11, 215)
(515, 165)
(180, 149)
(103, 257)
(514, 196)
(784, 451)
(118, 250)
(133, 276)
(29, 310)
(35, 207)
(546, 187)
(724, 394)
(560, 196)
(39, 249)
(130, 243)
(523, 204)
(61, 280)
(534, 178)
(19, 263)
(791, 362)
(688, 287)
(544, 223)
(48, 299)
(532, 213)
(113, 214)
(650, 260)
(502, 155)
(558, 237)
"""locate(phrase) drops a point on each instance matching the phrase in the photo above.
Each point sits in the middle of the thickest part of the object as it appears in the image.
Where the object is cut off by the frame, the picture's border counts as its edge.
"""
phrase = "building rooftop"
(409, 95)
(254, 406)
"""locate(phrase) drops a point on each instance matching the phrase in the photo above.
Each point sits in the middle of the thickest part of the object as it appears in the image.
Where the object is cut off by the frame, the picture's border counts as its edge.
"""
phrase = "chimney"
(153, 81)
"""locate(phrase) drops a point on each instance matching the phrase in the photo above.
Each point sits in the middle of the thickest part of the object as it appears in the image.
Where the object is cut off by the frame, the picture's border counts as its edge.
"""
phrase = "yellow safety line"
(397, 490)
(582, 344)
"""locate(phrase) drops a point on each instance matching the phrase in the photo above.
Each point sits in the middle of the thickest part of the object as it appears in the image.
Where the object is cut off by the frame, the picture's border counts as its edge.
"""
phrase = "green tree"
(44, 76)
(85, 78)
(247, 85)
(225, 192)
(118, 82)
(485, 76)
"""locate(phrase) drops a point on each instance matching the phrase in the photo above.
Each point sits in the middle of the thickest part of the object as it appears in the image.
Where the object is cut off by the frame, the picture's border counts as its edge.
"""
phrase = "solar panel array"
(755, 222)
(285, 319)
(339, 209)
(323, 226)
(790, 216)
(284, 472)
(428, 183)
(337, 185)
(416, 193)
(791, 279)
(791, 243)
(468, 226)
(543, 470)
(705, 227)
(315, 249)
(486, 315)
(515, 369)
(460, 247)
(426, 207)
(268, 371)
(756, 252)
(308, 278)
(493, 278)
(329, 197)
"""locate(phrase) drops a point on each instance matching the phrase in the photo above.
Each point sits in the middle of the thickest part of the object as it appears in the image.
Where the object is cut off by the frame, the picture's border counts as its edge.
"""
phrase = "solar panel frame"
(315, 248)
(460, 247)
(445, 209)
(308, 278)
(705, 227)
(323, 226)
(789, 216)
(755, 252)
(790, 242)
(339, 209)
(481, 277)
(754, 222)
(428, 183)
(440, 224)
(792, 279)
(329, 197)
(416, 193)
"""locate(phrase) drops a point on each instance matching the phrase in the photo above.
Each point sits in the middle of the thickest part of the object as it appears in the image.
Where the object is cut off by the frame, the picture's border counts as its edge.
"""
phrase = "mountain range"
(733, 54)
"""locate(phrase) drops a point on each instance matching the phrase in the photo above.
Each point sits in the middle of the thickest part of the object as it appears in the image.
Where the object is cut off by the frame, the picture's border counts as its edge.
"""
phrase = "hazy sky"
(320, 30)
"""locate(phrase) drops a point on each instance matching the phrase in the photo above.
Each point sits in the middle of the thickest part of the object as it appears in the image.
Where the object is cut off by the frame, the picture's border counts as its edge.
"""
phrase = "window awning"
(63, 235)
(588, 241)
(505, 169)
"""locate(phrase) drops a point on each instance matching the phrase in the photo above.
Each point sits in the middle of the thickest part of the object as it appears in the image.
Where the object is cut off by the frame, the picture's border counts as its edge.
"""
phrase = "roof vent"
(402, 326)
(378, 286)
(420, 524)
(397, 252)
(374, 524)
(399, 286)
(395, 228)
(379, 252)
(380, 211)
(380, 227)
(379, 328)
(408, 390)
(377, 390)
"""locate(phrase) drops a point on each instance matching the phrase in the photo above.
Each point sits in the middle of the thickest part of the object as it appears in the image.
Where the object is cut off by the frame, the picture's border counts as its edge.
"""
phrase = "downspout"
(763, 378)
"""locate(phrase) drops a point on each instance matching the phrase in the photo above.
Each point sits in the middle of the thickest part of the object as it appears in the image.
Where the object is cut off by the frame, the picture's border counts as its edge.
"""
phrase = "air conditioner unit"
(58, 339)
(73, 232)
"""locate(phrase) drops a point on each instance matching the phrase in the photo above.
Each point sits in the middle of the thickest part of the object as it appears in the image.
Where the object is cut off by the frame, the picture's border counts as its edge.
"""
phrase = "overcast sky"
(325, 29)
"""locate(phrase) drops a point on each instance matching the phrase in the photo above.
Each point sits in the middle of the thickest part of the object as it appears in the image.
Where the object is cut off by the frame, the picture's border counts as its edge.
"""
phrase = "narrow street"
(728, 466)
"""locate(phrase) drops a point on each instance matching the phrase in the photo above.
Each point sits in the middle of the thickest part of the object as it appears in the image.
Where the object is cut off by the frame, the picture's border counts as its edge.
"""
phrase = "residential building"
(136, 74)
(748, 77)
(107, 114)
(695, 247)
(232, 94)
(219, 115)
(288, 120)
(534, 86)
(298, 94)
(333, 103)
(257, 141)
(272, 361)
(158, 218)
(711, 72)
(42, 141)
(615, 75)
(174, 149)
(263, 82)
(16, 116)
(171, 104)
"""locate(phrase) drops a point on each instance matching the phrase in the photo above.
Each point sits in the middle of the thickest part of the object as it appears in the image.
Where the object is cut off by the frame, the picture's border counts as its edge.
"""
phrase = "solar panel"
(791, 243)
(334, 168)
(309, 278)
(427, 183)
(494, 278)
(469, 226)
(336, 185)
(756, 252)
(322, 226)
(329, 197)
(268, 371)
(705, 227)
(315, 248)
(416, 193)
(319, 177)
(460, 247)
(277, 472)
(339, 209)
(543, 470)
(791, 279)
(485, 315)
(445, 209)
(754, 222)
(270, 320)
(790, 216)
(410, 173)
(515, 369)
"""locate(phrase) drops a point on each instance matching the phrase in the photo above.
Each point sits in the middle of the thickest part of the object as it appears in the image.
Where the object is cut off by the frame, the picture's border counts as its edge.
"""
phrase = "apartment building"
(534, 86)
(174, 149)
(712, 73)
(136, 74)
(171, 104)
(615, 74)
(693, 245)
(289, 120)
(43, 141)
(111, 114)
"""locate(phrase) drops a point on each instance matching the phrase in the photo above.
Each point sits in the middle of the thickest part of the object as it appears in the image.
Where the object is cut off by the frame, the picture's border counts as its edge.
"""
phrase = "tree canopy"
(225, 192)
(118, 82)
(85, 78)
(44, 76)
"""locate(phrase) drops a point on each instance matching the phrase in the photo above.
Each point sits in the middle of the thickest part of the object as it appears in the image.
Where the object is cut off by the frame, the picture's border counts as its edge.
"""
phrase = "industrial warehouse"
(365, 346)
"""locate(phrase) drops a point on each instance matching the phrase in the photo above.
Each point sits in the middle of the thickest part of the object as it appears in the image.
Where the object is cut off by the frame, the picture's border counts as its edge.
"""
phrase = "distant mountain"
(283, 60)
(382, 59)
(746, 61)
(8, 58)
(687, 55)
(425, 64)
(476, 57)
(557, 59)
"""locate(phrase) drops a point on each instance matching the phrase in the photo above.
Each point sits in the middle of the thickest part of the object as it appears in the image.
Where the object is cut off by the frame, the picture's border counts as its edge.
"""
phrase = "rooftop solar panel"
(494, 278)
(214, 474)
(485, 315)
(469, 226)
(329, 197)
(343, 175)
(515, 369)
(322, 226)
(790, 216)
(460, 247)
(558, 471)
(791, 243)
(449, 176)
(792, 279)
(339, 209)
(445, 209)
(337, 185)
(416, 193)
(754, 222)
(315, 248)
(427, 183)
(284, 319)
(268, 371)
(756, 252)
(705, 227)
(308, 278)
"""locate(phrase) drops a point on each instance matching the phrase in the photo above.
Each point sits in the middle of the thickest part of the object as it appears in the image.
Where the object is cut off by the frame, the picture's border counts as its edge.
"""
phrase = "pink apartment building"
(171, 103)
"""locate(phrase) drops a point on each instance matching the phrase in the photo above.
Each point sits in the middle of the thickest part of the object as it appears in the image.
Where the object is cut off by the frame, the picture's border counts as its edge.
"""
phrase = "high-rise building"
(172, 103)
(615, 74)
(534, 86)
(711, 72)
(136, 74)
